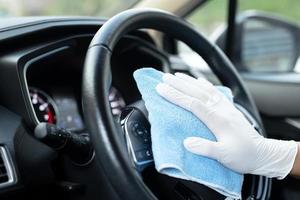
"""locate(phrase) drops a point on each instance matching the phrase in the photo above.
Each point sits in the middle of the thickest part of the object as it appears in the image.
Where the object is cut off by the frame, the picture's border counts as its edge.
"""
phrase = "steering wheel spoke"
(136, 129)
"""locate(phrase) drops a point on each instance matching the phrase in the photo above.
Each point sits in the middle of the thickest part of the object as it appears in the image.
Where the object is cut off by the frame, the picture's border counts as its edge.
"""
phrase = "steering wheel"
(106, 134)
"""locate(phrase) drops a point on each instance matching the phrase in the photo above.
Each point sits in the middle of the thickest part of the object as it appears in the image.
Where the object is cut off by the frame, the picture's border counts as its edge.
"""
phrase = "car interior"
(69, 105)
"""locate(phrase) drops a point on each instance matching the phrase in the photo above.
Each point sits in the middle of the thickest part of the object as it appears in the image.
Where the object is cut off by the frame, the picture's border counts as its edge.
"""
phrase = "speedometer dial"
(43, 105)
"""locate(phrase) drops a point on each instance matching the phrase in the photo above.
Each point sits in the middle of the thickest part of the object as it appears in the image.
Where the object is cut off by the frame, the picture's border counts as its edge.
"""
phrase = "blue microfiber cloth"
(170, 125)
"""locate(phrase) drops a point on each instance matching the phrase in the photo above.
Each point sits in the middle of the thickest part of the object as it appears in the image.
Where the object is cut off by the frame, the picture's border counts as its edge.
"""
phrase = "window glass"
(207, 19)
(10, 8)
(209, 16)
(285, 8)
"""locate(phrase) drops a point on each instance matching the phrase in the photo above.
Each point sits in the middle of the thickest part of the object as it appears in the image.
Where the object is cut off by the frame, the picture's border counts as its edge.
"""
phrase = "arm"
(296, 167)
(238, 146)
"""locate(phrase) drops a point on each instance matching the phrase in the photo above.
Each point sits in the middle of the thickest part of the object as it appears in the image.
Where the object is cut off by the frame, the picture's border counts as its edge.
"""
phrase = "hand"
(239, 146)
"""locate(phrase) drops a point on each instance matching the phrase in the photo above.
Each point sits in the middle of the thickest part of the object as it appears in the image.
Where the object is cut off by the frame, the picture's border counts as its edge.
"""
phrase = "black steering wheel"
(106, 135)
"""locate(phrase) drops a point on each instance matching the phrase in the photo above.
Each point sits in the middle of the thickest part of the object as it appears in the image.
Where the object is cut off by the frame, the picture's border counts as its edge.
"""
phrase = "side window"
(212, 15)
(266, 42)
(207, 19)
(286, 8)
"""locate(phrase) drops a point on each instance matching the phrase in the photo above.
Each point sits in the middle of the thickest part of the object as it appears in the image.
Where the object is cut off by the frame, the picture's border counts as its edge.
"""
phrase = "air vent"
(6, 172)
(3, 172)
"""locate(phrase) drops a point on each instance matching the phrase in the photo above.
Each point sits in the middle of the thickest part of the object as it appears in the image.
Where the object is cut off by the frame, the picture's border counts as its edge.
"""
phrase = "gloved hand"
(239, 146)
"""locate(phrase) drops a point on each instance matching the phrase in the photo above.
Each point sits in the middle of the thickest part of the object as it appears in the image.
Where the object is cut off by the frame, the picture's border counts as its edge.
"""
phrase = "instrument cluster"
(63, 110)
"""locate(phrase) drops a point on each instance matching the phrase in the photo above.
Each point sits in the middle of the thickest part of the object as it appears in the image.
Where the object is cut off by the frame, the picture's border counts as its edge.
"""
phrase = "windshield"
(105, 8)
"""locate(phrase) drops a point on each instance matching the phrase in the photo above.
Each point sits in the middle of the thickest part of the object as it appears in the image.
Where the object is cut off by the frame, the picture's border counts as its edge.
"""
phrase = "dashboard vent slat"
(6, 172)
(3, 171)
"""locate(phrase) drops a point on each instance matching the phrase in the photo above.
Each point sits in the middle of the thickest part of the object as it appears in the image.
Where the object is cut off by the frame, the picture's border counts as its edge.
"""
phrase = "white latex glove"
(239, 146)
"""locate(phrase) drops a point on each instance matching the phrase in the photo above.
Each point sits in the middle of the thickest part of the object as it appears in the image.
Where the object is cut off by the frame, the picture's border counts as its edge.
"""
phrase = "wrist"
(277, 158)
(288, 157)
(296, 166)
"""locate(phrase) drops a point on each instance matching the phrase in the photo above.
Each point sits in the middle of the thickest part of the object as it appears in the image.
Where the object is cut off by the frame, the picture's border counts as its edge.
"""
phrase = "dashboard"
(53, 79)
(41, 71)
(48, 74)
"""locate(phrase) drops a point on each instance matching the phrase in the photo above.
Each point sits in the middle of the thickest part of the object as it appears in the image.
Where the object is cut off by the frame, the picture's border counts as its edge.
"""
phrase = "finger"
(199, 83)
(178, 98)
(202, 81)
(202, 147)
(186, 88)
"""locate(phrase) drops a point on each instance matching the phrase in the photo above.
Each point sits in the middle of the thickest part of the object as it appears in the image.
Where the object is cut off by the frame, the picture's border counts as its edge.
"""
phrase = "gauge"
(117, 102)
(69, 117)
(44, 106)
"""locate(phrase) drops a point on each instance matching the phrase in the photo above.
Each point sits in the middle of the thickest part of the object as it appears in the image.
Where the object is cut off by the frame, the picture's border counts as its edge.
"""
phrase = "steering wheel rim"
(110, 150)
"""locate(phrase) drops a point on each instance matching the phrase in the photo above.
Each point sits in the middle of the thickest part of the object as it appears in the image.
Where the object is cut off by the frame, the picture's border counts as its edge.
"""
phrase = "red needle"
(51, 118)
